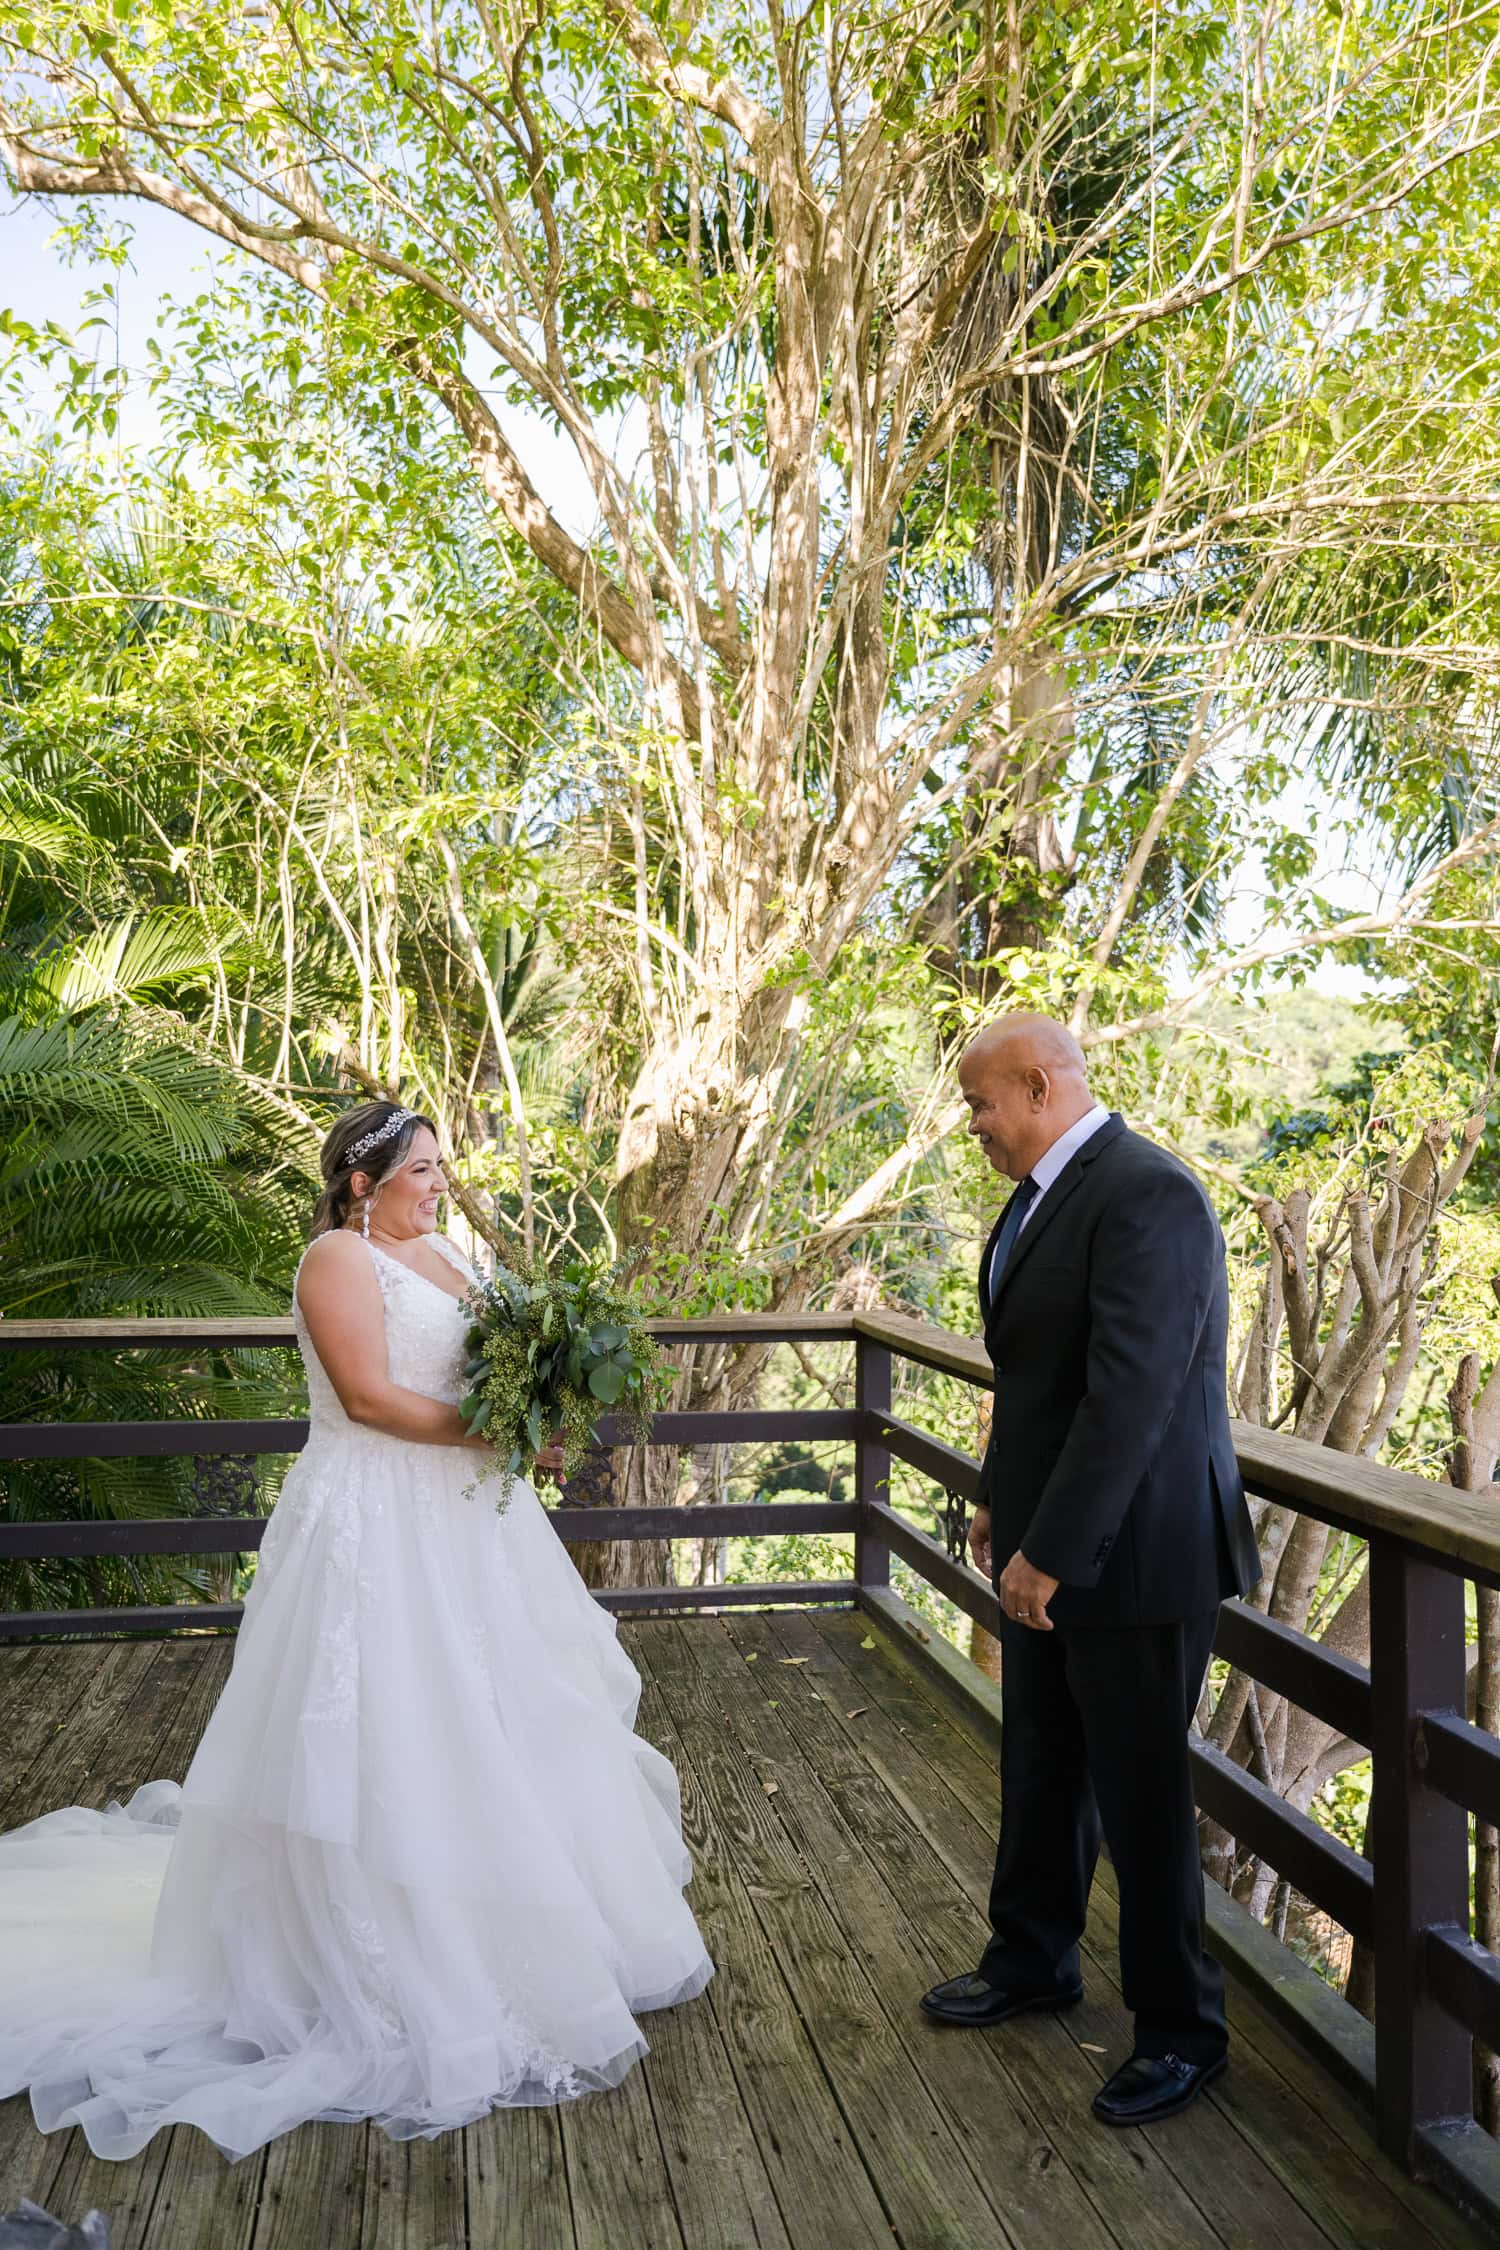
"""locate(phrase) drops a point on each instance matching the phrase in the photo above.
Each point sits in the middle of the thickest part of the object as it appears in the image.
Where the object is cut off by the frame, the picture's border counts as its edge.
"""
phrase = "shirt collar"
(1046, 1168)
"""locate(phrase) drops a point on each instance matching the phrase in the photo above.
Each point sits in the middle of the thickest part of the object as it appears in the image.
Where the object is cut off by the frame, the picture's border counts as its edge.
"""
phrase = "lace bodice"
(424, 1334)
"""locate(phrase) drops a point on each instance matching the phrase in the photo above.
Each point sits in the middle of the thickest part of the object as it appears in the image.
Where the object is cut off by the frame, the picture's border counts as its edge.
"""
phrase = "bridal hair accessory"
(393, 1124)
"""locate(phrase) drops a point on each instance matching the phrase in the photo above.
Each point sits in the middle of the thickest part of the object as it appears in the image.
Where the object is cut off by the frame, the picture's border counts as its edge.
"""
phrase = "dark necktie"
(1010, 1226)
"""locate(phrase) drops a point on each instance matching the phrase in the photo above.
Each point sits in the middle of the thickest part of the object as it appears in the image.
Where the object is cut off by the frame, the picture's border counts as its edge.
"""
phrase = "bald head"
(1022, 1040)
(1025, 1081)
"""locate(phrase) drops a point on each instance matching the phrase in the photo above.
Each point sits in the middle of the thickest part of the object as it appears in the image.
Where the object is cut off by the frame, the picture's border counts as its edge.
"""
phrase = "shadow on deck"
(840, 1814)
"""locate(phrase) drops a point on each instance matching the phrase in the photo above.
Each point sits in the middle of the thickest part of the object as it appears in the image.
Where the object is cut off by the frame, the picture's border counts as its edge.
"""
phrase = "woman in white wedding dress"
(421, 1866)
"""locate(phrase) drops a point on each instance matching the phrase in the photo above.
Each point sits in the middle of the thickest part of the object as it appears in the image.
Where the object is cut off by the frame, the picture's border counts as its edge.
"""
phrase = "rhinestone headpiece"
(393, 1124)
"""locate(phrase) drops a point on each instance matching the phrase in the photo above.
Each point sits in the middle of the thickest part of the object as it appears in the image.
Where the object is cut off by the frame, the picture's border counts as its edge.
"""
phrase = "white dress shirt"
(1046, 1168)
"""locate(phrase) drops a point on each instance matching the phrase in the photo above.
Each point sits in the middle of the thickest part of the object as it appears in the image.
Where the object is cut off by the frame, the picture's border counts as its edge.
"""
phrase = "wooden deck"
(841, 1821)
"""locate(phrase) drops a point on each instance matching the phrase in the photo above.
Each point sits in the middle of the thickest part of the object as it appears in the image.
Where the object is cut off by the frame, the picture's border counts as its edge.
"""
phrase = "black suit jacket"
(1110, 1463)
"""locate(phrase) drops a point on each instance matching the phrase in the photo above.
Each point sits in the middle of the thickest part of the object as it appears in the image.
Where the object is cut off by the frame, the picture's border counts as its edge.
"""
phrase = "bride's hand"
(550, 1462)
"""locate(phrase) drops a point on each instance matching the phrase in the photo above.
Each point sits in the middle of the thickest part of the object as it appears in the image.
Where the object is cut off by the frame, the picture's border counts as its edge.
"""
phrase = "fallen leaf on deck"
(867, 1642)
(753, 1657)
(794, 1660)
(770, 1787)
(772, 1704)
(858, 1712)
(1089, 2048)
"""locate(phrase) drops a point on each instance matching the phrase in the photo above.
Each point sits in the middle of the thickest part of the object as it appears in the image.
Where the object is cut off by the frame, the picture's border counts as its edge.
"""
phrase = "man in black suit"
(1111, 1503)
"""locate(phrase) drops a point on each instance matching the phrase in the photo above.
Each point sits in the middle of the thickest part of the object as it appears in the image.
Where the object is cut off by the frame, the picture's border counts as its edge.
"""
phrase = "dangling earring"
(364, 1226)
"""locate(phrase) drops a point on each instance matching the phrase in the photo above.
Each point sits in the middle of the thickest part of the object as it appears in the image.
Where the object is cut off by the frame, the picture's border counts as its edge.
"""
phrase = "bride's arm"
(341, 1303)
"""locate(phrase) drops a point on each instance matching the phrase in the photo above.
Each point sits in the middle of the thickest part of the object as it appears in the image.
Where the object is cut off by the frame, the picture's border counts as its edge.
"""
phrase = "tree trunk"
(1332, 1347)
(645, 1477)
(1359, 1986)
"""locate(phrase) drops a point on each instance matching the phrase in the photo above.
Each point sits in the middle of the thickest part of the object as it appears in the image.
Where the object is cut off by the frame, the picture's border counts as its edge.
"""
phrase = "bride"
(421, 1866)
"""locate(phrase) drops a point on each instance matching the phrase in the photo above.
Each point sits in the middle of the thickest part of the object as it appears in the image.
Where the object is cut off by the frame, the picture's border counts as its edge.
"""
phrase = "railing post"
(872, 1462)
(1423, 2059)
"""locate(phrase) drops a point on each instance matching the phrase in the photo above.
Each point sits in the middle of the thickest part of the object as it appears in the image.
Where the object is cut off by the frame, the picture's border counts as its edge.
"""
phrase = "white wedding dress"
(421, 1866)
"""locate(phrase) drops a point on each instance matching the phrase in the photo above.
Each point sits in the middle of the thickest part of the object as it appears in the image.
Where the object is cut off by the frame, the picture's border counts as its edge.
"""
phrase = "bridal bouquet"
(548, 1351)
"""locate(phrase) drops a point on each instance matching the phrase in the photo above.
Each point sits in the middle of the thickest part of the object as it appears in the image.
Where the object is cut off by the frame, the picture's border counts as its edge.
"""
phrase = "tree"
(1474, 1409)
(1150, 326)
(753, 231)
(1360, 1273)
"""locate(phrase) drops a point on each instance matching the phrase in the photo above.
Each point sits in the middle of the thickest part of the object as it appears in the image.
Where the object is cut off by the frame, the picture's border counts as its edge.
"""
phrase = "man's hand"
(1024, 1592)
(979, 1541)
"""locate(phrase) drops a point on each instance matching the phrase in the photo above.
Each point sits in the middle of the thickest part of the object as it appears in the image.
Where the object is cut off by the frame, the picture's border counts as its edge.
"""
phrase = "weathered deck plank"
(1343, 2184)
(517, 2181)
(840, 1824)
(83, 1702)
(934, 2199)
(1275, 2094)
(802, 2103)
(1048, 2076)
(695, 2095)
(1202, 2151)
(821, 2190)
(33, 1710)
(414, 2192)
(29, 2160)
(1131, 2188)
(617, 2175)
(311, 2191)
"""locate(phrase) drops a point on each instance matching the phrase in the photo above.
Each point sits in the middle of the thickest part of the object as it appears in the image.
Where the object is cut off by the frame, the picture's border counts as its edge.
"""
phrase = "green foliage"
(549, 1348)
(794, 1557)
(1342, 1806)
(314, 777)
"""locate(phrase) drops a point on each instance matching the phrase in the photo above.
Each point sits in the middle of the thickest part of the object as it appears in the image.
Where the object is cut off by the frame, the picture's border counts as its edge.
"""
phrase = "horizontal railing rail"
(1432, 1767)
(101, 1441)
(231, 1532)
(156, 1332)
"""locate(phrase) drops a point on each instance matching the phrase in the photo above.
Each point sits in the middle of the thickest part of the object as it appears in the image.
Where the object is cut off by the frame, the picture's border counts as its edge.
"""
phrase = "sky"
(40, 281)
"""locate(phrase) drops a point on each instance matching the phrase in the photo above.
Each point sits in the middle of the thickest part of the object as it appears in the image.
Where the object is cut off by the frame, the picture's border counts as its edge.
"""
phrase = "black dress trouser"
(1095, 1740)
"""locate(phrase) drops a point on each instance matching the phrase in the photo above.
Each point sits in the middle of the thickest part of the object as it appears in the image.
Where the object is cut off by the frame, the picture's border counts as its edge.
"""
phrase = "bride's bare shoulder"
(340, 1244)
(337, 1260)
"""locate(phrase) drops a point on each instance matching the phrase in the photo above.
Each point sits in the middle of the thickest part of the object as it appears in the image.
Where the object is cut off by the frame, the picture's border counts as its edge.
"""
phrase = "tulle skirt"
(421, 1866)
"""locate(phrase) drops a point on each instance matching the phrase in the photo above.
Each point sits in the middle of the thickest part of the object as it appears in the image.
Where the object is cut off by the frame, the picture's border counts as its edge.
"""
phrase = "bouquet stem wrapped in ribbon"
(548, 1352)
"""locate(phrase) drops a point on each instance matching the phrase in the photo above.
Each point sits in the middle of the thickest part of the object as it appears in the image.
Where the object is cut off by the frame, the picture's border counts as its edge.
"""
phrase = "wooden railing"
(1436, 1990)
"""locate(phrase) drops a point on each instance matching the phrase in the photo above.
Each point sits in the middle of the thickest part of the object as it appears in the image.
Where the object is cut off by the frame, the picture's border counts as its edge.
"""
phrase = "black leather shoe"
(1149, 2087)
(969, 2000)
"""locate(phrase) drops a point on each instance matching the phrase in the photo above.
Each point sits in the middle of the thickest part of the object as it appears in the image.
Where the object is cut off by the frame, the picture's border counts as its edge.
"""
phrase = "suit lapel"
(1046, 1211)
